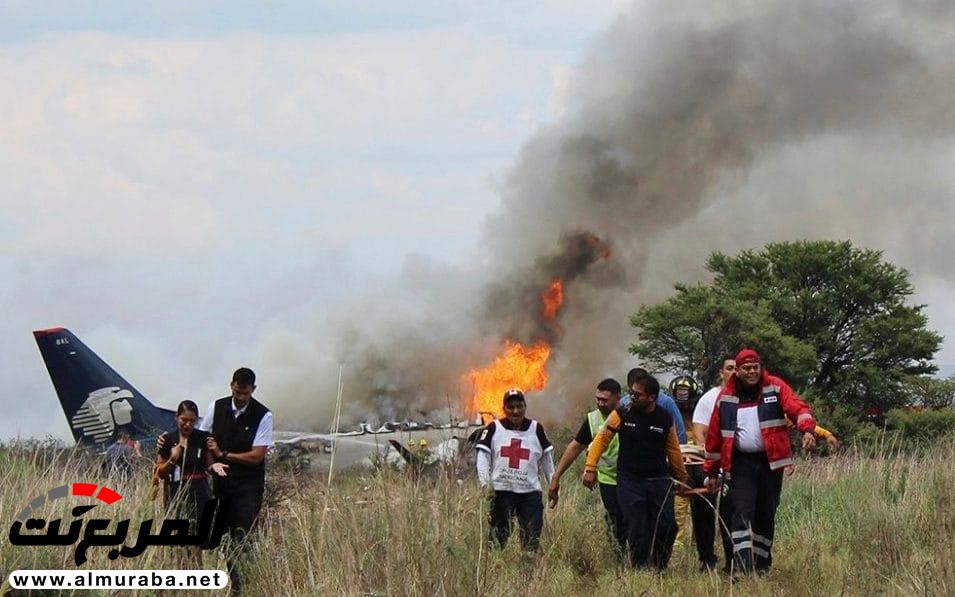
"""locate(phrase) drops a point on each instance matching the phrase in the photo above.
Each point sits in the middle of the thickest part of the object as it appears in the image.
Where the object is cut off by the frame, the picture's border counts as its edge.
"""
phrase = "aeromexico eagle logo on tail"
(96, 400)
(104, 410)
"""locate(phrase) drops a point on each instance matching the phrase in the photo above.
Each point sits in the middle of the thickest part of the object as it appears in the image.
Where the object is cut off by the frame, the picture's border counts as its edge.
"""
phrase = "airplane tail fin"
(96, 399)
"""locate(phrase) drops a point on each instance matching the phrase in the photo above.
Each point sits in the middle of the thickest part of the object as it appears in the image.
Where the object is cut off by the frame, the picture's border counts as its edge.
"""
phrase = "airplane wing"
(97, 401)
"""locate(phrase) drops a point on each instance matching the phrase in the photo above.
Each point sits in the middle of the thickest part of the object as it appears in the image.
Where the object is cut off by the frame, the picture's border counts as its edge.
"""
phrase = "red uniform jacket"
(775, 401)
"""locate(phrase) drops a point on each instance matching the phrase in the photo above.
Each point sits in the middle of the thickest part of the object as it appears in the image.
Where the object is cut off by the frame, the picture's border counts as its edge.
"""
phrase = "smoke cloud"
(683, 133)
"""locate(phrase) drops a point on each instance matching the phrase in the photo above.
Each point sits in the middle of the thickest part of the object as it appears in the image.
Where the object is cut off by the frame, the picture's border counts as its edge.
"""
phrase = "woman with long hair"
(185, 463)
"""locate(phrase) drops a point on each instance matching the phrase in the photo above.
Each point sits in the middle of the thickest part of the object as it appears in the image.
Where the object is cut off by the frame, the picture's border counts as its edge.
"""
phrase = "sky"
(190, 187)
(175, 178)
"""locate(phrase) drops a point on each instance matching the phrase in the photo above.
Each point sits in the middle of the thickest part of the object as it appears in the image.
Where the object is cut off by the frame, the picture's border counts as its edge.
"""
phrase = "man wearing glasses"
(649, 454)
(664, 401)
(748, 438)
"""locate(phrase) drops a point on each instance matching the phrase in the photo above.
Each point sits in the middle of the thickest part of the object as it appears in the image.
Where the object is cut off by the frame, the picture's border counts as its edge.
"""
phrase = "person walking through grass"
(511, 454)
(649, 454)
(748, 439)
(607, 399)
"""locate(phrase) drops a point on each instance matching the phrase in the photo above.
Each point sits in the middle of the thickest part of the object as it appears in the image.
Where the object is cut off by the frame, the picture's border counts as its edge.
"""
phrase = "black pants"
(723, 525)
(703, 515)
(243, 501)
(754, 493)
(188, 498)
(703, 509)
(647, 506)
(616, 523)
(529, 510)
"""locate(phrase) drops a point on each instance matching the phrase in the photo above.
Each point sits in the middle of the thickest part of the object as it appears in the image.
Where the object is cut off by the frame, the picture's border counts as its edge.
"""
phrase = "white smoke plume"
(715, 127)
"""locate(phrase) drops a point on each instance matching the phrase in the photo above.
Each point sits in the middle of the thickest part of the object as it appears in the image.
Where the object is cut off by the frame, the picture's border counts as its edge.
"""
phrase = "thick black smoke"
(713, 128)
(513, 305)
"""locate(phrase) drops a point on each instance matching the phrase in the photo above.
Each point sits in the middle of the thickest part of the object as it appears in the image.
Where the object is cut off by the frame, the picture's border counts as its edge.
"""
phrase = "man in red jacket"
(749, 440)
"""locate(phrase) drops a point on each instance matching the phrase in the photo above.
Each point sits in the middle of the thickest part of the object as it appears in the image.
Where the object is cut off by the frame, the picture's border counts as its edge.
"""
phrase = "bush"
(900, 429)
(921, 428)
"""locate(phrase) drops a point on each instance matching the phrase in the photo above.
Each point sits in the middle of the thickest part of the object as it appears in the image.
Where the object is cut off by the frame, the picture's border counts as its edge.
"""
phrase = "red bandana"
(747, 355)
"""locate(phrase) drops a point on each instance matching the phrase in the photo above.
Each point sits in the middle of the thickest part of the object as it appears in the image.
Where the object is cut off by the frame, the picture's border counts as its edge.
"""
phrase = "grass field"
(847, 524)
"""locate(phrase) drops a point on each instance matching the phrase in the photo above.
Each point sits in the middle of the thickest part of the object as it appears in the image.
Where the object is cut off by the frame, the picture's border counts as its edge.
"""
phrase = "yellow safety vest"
(607, 467)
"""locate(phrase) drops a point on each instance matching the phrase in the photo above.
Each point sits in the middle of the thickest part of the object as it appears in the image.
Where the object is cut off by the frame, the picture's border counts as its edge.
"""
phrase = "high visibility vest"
(607, 467)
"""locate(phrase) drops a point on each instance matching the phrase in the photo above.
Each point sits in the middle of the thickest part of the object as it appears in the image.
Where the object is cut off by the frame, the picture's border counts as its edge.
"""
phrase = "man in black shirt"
(649, 452)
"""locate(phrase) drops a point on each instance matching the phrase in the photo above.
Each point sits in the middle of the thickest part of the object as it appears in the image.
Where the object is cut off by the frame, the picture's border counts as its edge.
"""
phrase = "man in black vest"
(241, 432)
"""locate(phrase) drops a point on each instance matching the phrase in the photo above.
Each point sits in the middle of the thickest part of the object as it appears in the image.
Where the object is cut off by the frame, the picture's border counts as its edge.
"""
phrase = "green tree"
(932, 392)
(830, 317)
(697, 327)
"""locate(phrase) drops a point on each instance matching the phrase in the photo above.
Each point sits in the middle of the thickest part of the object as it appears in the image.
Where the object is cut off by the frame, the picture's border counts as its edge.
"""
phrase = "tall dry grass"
(849, 524)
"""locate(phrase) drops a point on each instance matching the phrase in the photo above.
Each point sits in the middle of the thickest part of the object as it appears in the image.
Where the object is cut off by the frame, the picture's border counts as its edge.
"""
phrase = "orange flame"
(519, 367)
(552, 298)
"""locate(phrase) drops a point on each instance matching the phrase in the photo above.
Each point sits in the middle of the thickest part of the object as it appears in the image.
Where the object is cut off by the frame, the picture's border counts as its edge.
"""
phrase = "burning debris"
(525, 367)
(518, 367)
(552, 298)
(525, 305)
(683, 132)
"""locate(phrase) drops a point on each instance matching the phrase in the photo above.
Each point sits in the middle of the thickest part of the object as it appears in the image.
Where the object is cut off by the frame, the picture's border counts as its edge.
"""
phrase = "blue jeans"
(647, 506)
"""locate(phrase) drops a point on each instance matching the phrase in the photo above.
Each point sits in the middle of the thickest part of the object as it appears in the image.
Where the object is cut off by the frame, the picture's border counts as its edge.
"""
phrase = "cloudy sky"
(190, 189)
(176, 180)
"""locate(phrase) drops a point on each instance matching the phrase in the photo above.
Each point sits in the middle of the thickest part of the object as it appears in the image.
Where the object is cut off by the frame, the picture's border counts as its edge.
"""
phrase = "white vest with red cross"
(514, 458)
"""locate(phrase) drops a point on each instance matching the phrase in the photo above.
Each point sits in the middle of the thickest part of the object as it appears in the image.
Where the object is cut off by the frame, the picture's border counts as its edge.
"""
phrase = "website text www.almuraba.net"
(119, 579)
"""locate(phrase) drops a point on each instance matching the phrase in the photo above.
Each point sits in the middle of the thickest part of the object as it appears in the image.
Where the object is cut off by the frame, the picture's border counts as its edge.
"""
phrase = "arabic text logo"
(173, 531)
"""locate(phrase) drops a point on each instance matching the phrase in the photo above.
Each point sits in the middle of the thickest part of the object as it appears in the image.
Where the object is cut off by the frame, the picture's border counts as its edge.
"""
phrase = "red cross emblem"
(515, 453)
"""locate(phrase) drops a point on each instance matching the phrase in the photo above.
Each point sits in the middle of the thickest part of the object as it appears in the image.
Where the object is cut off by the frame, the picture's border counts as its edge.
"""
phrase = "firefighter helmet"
(684, 389)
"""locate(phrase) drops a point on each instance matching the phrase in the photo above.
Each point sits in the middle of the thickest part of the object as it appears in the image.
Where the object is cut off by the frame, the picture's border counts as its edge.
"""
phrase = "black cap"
(513, 394)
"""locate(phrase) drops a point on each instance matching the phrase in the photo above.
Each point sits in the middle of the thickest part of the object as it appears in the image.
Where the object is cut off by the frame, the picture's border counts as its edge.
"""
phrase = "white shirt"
(704, 407)
(749, 438)
(263, 434)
